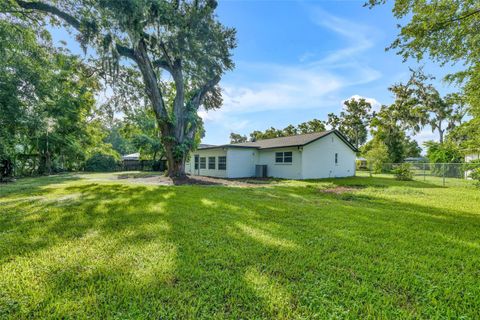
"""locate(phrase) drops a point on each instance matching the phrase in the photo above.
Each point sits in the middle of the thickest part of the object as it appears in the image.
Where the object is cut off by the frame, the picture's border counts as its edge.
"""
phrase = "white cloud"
(374, 102)
(311, 83)
(232, 123)
(358, 36)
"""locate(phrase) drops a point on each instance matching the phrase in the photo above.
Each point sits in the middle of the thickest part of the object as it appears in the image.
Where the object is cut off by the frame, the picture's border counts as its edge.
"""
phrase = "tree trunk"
(176, 167)
(441, 132)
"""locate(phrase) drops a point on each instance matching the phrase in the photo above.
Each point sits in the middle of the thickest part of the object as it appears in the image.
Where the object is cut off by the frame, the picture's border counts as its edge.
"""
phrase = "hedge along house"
(308, 156)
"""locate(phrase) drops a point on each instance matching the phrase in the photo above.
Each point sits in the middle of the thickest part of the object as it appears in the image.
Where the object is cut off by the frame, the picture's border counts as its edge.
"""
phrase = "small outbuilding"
(325, 154)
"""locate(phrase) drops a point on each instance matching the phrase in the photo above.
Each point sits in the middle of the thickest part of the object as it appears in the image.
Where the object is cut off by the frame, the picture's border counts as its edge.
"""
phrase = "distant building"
(361, 163)
(472, 156)
(415, 159)
(133, 156)
(469, 157)
(132, 162)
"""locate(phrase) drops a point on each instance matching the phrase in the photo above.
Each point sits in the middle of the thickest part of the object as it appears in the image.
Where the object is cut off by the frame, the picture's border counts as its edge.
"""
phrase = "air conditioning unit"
(261, 171)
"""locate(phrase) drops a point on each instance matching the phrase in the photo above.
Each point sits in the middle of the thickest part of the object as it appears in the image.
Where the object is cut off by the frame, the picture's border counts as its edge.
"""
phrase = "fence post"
(424, 171)
(370, 168)
(444, 174)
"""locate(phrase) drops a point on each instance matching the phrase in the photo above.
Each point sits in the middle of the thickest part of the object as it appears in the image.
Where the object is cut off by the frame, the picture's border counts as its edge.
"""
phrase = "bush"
(403, 172)
(6, 169)
(377, 156)
(100, 162)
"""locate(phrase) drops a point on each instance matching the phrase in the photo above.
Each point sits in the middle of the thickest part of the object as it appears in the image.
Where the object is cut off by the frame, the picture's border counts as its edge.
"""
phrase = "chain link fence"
(438, 173)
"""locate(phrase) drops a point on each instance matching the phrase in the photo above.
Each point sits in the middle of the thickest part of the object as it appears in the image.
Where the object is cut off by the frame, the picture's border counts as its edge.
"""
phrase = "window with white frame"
(197, 157)
(203, 163)
(336, 158)
(283, 157)
(222, 163)
(211, 163)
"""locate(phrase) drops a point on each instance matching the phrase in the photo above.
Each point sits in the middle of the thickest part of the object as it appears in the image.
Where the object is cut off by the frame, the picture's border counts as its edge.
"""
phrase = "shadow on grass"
(203, 252)
(33, 185)
(377, 182)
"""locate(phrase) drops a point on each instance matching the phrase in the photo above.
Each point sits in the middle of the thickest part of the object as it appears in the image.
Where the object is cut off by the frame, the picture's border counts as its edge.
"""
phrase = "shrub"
(442, 155)
(6, 169)
(403, 172)
(100, 162)
(377, 156)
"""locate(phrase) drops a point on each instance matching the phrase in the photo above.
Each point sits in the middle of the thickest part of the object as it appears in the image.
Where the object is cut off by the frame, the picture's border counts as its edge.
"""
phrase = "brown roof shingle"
(282, 142)
(291, 141)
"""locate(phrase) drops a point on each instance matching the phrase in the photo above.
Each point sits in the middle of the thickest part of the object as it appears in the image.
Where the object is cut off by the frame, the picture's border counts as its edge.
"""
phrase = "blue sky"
(298, 60)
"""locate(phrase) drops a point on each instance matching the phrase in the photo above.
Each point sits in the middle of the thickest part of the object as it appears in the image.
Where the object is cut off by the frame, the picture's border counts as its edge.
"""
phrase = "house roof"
(282, 142)
(133, 156)
(203, 145)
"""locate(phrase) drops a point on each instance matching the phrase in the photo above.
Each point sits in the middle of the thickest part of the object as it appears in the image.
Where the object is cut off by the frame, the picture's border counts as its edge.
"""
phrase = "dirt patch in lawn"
(340, 190)
(193, 180)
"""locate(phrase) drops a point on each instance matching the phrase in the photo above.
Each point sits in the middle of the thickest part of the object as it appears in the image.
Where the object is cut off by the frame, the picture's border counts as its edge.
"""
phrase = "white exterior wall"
(471, 157)
(190, 166)
(281, 170)
(318, 159)
(314, 161)
(241, 162)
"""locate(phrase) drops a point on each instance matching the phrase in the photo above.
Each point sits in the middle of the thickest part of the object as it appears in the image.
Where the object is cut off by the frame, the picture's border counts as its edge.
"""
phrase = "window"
(283, 157)
(336, 158)
(203, 163)
(211, 163)
(222, 163)
(287, 157)
(196, 162)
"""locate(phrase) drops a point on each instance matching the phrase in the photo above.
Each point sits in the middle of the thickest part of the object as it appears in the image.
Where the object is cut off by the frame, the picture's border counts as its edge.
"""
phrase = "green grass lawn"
(83, 247)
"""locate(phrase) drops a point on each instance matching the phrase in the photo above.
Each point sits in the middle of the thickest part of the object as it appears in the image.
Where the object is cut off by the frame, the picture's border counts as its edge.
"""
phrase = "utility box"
(261, 171)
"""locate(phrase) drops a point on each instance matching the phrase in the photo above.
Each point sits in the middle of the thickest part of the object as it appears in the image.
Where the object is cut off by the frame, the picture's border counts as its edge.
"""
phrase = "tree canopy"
(447, 32)
(46, 104)
(353, 121)
(183, 39)
(310, 126)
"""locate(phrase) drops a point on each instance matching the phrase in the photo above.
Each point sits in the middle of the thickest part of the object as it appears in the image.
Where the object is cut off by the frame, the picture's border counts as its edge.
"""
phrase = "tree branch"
(474, 12)
(197, 99)
(40, 6)
(162, 63)
(143, 61)
(71, 20)
(125, 51)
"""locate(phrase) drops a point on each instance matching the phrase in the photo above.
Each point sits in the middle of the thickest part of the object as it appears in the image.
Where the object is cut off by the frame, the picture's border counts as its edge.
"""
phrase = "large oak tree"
(180, 41)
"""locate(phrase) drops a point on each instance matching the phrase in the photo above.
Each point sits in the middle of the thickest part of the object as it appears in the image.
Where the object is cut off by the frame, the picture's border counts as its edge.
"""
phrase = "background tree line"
(50, 120)
(164, 59)
(417, 104)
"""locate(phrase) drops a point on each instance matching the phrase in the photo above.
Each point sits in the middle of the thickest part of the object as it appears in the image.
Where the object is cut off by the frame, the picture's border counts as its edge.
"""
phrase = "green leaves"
(446, 31)
(46, 104)
(183, 38)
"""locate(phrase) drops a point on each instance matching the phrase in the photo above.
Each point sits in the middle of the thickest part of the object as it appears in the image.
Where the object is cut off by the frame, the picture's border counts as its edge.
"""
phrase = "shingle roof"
(291, 141)
(203, 145)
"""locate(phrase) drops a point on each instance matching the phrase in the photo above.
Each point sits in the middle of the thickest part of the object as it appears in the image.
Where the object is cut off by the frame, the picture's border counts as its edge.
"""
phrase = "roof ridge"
(295, 135)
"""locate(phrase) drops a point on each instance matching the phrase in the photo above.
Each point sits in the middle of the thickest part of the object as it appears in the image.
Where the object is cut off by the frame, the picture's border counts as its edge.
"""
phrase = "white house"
(307, 156)
(472, 156)
(469, 157)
